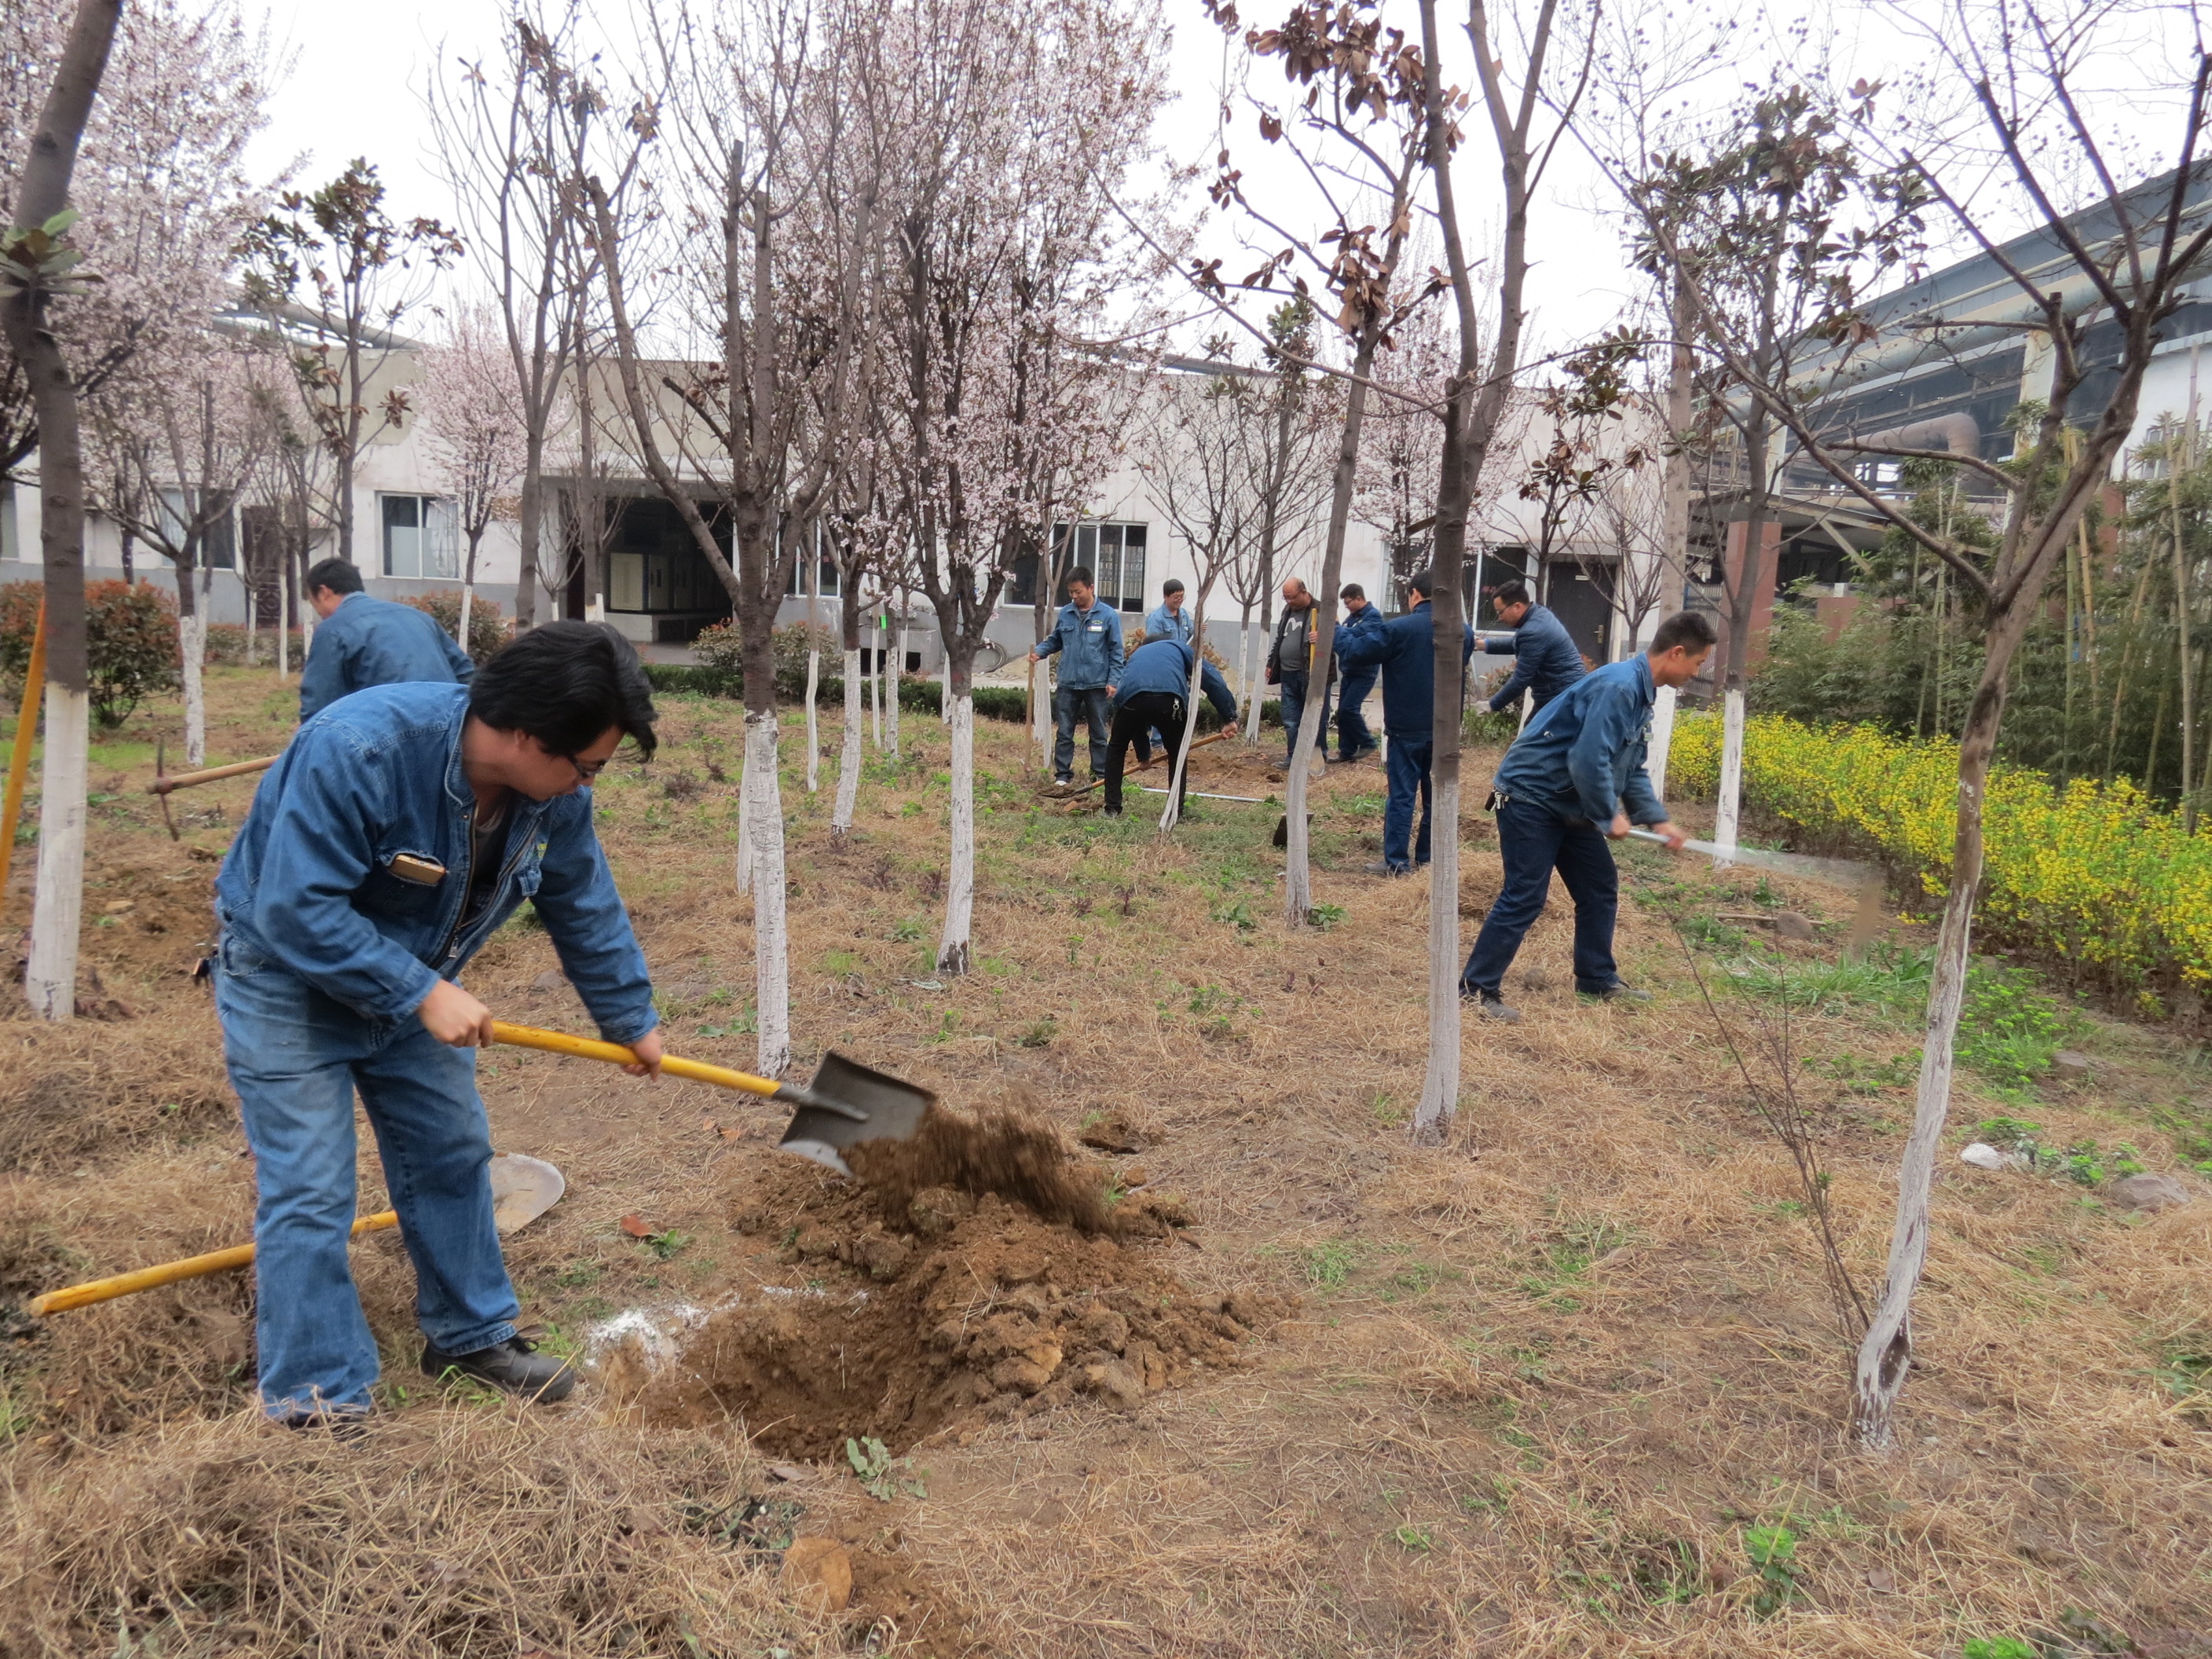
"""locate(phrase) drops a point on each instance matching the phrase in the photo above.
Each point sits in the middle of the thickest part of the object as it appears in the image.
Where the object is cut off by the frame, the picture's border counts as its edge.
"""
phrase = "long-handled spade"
(845, 1104)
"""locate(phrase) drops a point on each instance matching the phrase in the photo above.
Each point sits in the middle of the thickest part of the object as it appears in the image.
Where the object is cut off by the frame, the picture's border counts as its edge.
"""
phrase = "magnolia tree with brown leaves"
(2116, 234)
(1006, 253)
(1351, 136)
(770, 197)
(471, 431)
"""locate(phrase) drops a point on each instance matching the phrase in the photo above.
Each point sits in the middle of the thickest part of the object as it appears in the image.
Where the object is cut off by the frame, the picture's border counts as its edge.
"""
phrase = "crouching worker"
(1573, 779)
(402, 825)
(1150, 695)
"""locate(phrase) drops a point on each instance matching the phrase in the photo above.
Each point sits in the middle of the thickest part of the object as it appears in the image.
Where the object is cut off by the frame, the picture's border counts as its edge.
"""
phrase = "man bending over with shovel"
(400, 828)
(1572, 780)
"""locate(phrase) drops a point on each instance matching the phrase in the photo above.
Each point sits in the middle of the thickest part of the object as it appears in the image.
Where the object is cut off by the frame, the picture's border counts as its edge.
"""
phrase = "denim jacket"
(1404, 647)
(1092, 641)
(1163, 666)
(309, 881)
(1161, 624)
(1581, 756)
(366, 642)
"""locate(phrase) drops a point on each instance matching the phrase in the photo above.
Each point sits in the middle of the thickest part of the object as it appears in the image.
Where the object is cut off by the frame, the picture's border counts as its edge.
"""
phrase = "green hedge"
(995, 702)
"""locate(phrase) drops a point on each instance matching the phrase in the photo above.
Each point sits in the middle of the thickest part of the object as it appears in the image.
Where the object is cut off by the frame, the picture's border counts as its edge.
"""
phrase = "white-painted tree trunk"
(58, 907)
(890, 703)
(252, 625)
(848, 760)
(283, 622)
(1256, 647)
(745, 815)
(771, 940)
(1297, 870)
(944, 683)
(191, 646)
(1663, 739)
(1041, 726)
(813, 721)
(952, 951)
(1439, 1101)
(1728, 813)
(876, 685)
(1172, 814)
(468, 603)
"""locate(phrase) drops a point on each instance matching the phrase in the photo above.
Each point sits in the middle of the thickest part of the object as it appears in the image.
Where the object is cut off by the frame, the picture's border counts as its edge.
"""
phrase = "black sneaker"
(514, 1365)
(1616, 992)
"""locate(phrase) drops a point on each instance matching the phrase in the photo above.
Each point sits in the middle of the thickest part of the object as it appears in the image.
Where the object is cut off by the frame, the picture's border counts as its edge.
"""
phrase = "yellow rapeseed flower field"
(2095, 872)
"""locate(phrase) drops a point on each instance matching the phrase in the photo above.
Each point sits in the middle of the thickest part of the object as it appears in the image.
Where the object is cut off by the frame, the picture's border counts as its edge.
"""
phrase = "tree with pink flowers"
(471, 430)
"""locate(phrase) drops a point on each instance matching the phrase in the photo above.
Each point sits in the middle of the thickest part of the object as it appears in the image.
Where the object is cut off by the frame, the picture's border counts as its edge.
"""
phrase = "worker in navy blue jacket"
(1405, 648)
(1574, 778)
(1353, 740)
(1545, 661)
(1149, 696)
(361, 642)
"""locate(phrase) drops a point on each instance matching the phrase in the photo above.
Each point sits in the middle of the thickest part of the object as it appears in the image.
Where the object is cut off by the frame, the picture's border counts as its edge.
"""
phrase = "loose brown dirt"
(972, 1274)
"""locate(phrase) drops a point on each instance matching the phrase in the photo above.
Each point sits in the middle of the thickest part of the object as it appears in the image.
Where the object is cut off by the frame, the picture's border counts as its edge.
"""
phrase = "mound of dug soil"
(917, 1304)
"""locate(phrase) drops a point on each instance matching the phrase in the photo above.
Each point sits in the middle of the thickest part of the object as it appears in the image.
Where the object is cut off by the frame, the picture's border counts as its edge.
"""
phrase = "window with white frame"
(218, 543)
(1113, 553)
(420, 538)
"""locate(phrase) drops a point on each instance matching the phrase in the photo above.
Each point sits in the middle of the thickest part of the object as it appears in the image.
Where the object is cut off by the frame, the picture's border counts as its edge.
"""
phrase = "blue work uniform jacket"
(309, 881)
(1405, 646)
(1161, 624)
(366, 642)
(1092, 642)
(1545, 660)
(1370, 616)
(1581, 756)
(1164, 665)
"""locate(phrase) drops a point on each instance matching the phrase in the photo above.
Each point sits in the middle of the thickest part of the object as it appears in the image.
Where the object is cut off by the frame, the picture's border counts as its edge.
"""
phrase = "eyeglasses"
(587, 772)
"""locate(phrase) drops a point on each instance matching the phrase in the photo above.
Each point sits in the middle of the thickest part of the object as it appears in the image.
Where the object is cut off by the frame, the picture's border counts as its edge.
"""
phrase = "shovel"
(845, 1104)
(522, 1189)
(166, 781)
(1863, 879)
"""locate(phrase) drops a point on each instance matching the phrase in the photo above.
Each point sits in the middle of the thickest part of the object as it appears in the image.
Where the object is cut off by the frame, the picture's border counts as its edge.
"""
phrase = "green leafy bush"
(487, 628)
(226, 644)
(131, 647)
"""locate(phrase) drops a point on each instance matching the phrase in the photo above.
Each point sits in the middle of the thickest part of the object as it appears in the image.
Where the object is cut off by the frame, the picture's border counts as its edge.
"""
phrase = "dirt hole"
(977, 1272)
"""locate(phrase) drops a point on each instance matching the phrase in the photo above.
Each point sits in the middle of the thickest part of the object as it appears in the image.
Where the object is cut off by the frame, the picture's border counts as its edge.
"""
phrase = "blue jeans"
(1098, 713)
(1406, 764)
(1353, 736)
(296, 1058)
(1533, 843)
(1293, 690)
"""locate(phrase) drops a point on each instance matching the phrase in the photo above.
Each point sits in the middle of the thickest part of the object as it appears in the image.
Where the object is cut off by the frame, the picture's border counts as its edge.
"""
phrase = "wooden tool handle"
(560, 1042)
(162, 786)
(192, 1266)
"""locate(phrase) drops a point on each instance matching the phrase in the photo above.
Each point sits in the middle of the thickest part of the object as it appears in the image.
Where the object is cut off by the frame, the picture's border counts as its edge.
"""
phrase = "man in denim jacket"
(402, 825)
(1574, 779)
(1088, 635)
(361, 642)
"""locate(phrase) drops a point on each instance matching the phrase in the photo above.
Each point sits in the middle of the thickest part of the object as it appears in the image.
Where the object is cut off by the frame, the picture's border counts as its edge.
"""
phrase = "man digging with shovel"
(402, 825)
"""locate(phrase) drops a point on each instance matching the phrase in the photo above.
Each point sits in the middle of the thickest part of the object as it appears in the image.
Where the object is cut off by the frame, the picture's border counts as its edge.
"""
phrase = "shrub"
(487, 628)
(131, 647)
(2095, 873)
(19, 620)
(226, 644)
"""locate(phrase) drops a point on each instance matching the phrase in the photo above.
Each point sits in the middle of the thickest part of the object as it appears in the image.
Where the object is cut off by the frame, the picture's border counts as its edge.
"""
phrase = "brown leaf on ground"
(635, 1228)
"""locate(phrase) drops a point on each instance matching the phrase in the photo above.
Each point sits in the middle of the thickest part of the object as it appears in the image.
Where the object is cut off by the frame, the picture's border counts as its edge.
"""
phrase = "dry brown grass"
(1540, 1385)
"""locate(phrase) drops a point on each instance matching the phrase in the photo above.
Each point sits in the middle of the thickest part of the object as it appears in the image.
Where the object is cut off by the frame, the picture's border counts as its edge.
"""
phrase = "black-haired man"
(394, 836)
(1354, 742)
(361, 642)
(1573, 779)
(1405, 650)
(1090, 636)
(1546, 660)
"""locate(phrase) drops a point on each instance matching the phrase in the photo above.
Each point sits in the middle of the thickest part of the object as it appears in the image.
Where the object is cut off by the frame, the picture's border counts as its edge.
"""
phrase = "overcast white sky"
(353, 87)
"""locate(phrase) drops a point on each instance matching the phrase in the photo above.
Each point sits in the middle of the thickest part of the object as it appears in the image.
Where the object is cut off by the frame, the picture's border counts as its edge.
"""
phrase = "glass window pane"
(220, 547)
(403, 535)
(441, 552)
(626, 582)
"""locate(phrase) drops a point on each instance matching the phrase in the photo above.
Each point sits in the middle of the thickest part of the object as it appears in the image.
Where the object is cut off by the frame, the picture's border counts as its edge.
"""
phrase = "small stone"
(2148, 1192)
(1982, 1156)
(1880, 1580)
(1792, 924)
(788, 1472)
(2070, 1060)
(818, 1575)
(550, 980)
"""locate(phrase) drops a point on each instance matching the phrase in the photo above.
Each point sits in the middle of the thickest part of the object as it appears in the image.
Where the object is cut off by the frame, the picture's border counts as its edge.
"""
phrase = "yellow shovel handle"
(192, 1266)
(560, 1042)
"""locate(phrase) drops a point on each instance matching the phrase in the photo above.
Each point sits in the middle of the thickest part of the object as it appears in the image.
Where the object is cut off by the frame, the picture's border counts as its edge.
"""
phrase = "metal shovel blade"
(522, 1189)
(887, 1109)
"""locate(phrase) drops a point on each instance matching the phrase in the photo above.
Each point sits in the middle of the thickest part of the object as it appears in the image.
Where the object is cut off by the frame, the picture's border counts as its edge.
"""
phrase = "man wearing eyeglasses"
(404, 824)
